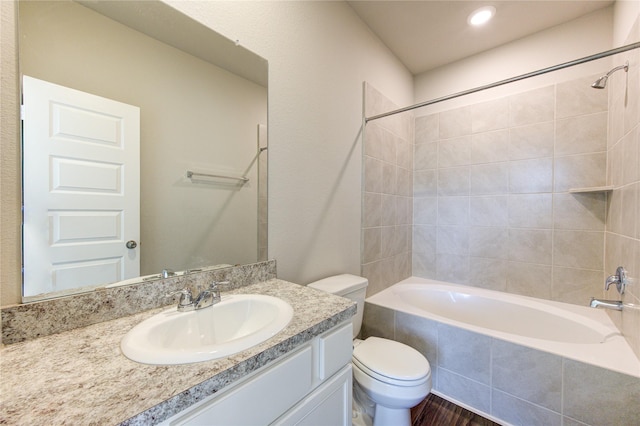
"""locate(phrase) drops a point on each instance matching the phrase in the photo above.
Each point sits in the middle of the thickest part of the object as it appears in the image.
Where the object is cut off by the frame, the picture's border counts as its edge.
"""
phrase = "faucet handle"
(619, 279)
(186, 297)
(214, 284)
(214, 288)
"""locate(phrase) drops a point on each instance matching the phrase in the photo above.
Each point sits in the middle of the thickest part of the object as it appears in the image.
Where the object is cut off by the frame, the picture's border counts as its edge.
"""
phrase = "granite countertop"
(81, 376)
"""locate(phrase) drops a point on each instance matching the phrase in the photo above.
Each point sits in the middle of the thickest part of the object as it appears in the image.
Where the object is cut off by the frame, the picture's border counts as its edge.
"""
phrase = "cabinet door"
(329, 404)
(258, 400)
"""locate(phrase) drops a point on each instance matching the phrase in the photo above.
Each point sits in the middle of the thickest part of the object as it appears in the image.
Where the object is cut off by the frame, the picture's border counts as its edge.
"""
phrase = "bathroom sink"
(238, 322)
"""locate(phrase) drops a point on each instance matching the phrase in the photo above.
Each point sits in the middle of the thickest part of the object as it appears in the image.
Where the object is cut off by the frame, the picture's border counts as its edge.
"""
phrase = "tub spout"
(609, 304)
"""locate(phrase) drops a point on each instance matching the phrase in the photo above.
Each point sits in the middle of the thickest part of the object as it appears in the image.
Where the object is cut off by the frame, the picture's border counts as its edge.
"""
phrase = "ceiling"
(427, 34)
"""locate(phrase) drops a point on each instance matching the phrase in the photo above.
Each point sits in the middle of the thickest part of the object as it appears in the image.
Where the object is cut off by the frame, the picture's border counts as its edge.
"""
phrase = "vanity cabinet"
(310, 385)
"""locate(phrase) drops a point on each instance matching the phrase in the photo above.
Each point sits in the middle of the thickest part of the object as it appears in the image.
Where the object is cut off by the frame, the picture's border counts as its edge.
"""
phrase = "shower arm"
(621, 67)
(509, 80)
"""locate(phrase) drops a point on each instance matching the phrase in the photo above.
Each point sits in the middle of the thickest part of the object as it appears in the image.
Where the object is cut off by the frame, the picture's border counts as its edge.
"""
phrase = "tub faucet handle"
(619, 279)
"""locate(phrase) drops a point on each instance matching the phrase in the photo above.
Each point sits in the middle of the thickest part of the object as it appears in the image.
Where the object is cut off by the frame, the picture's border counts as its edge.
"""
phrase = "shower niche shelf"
(591, 189)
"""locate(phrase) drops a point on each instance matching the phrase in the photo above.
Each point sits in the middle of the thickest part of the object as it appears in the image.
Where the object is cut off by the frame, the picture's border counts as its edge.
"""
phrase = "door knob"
(131, 244)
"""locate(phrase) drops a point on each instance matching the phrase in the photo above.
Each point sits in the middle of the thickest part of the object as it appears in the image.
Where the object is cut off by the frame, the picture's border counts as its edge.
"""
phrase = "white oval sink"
(238, 322)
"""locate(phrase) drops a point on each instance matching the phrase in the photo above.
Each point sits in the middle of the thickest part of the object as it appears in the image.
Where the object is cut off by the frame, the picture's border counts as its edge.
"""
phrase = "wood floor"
(435, 411)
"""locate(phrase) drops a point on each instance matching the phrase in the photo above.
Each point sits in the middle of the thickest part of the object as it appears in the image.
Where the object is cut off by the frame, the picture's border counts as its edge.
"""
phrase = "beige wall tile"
(454, 152)
(577, 97)
(532, 141)
(379, 143)
(578, 249)
(425, 183)
(372, 210)
(404, 182)
(453, 240)
(490, 147)
(529, 279)
(372, 174)
(579, 211)
(452, 268)
(630, 158)
(491, 115)
(527, 176)
(388, 215)
(528, 374)
(489, 242)
(629, 210)
(427, 129)
(580, 171)
(488, 273)
(403, 216)
(389, 176)
(488, 179)
(453, 181)
(453, 210)
(530, 210)
(454, 123)
(528, 245)
(534, 106)
(617, 393)
(425, 210)
(426, 155)
(371, 244)
(404, 154)
(581, 134)
(577, 286)
(488, 210)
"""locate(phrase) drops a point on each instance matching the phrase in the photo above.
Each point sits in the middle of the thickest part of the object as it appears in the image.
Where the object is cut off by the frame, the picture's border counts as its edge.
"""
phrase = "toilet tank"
(350, 286)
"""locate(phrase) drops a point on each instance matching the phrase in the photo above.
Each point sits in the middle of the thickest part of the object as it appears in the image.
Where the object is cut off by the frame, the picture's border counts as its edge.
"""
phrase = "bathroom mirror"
(203, 108)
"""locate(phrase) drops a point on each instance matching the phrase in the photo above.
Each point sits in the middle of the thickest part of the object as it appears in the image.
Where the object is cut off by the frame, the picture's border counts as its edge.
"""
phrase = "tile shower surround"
(387, 210)
(622, 238)
(492, 206)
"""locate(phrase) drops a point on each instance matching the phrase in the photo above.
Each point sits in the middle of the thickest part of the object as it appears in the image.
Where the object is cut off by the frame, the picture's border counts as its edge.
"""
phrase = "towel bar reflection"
(192, 175)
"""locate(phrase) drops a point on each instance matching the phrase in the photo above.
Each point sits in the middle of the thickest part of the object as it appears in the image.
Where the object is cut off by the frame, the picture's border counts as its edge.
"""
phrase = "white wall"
(625, 13)
(319, 54)
(581, 37)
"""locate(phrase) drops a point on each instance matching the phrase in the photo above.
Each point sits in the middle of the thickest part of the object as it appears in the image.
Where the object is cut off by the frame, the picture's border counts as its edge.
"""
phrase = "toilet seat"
(391, 362)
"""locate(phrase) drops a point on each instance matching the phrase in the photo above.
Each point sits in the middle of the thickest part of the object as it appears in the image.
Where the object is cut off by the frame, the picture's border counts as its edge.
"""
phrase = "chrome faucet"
(609, 304)
(186, 299)
(206, 298)
(166, 273)
(619, 279)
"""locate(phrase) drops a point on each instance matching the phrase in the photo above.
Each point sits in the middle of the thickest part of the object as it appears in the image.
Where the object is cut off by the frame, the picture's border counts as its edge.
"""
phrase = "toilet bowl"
(389, 377)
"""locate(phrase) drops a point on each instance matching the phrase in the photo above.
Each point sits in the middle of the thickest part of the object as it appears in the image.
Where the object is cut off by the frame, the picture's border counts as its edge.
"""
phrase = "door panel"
(81, 156)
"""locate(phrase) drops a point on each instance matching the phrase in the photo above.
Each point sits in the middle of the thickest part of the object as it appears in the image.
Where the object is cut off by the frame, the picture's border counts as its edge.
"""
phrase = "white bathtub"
(575, 332)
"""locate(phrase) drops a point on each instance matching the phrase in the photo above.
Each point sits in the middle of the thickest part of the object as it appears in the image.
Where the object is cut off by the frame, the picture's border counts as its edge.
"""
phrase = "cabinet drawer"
(259, 400)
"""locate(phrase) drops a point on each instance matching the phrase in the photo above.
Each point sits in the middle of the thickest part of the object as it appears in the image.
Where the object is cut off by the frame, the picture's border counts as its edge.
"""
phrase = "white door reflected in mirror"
(81, 153)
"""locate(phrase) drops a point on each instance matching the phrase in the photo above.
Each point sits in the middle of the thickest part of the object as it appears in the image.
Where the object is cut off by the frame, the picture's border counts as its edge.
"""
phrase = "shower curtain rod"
(509, 80)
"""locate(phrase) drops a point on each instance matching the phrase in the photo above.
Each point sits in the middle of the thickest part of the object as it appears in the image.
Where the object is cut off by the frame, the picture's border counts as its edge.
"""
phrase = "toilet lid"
(391, 362)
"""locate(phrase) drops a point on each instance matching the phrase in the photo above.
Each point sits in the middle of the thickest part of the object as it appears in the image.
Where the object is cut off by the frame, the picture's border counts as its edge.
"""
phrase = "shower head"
(601, 83)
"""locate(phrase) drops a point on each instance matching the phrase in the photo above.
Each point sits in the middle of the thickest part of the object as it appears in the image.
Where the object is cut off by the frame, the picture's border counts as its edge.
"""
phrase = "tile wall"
(492, 206)
(623, 219)
(507, 382)
(387, 194)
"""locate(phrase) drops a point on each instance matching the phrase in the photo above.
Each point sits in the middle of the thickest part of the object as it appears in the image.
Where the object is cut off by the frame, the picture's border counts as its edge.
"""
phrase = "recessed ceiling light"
(481, 16)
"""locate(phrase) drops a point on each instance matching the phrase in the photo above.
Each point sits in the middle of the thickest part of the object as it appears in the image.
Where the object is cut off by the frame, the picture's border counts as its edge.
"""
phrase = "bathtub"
(481, 343)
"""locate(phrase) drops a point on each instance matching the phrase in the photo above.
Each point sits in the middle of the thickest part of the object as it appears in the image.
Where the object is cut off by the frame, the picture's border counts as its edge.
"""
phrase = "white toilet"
(389, 377)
